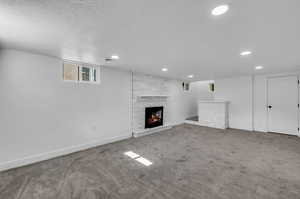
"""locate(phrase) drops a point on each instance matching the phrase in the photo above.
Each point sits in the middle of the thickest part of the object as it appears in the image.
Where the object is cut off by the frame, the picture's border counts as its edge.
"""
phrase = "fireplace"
(154, 116)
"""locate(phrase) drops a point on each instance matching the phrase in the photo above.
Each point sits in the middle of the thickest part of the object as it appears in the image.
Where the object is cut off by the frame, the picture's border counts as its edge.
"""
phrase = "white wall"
(43, 116)
(248, 100)
(239, 92)
(260, 111)
(200, 91)
(181, 103)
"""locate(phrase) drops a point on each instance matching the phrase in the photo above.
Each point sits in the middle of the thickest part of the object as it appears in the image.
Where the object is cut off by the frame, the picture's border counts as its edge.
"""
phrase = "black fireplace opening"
(154, 117)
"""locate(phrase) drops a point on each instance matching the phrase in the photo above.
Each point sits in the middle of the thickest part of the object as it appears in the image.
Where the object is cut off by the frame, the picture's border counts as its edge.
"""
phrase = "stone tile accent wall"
(178, 105)
(148, 85)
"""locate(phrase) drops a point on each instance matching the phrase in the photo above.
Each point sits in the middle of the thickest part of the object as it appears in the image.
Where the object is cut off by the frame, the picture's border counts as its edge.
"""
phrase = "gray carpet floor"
(189, 162)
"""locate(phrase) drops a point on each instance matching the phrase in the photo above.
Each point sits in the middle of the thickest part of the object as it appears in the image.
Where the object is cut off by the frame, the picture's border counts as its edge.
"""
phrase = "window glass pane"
(95, 75)
(70, 72)
(85, 74)
(212, 87)
(187, 86)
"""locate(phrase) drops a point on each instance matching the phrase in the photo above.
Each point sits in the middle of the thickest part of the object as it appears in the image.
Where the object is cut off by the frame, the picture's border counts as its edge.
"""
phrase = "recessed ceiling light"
(115, 57)
(164, 69)
(191, 76)
(222, 9)
(245, 53)
(258, 67)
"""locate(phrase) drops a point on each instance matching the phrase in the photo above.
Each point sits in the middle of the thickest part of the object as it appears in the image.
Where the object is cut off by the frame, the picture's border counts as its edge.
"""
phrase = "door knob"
(269, 106)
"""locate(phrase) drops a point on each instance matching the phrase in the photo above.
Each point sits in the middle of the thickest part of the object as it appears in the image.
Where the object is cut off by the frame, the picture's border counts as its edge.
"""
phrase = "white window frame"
(92, 68)
(79, 72)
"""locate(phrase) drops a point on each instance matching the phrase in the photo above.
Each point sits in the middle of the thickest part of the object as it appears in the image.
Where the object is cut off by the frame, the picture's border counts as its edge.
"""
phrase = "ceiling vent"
(108, 59)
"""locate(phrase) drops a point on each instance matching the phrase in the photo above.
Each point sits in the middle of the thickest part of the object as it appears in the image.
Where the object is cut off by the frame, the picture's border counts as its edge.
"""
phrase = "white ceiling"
(150, 34)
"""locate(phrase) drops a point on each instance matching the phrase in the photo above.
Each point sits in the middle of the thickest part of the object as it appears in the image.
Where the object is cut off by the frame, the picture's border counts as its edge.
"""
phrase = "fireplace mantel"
(145, 97)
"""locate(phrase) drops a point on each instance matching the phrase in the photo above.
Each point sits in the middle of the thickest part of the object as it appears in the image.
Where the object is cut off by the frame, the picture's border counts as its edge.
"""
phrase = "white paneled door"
(283, 105)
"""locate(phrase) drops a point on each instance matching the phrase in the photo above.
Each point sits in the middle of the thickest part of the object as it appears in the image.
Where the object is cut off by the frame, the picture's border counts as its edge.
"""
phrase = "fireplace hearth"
(154, 117)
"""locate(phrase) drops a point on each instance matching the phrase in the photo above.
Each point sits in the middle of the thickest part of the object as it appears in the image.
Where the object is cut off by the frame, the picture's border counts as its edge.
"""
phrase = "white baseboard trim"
(177, 123)
(199, 124)
(61, 152)
(192, 122)
(155, 130)
(151, 131)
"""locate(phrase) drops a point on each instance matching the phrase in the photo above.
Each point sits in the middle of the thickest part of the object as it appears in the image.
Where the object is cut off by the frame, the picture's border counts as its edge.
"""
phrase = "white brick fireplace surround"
(139, 113)
(151, 91)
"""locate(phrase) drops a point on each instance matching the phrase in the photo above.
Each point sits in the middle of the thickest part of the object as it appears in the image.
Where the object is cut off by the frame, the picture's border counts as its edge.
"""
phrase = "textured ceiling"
(149, 34)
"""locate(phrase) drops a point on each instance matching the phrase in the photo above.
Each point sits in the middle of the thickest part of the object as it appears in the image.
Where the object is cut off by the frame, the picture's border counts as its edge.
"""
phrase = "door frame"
(267, 98)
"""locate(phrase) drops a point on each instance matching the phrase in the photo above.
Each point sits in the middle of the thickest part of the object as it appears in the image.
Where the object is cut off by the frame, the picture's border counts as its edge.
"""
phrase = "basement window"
(212, 87)
(81, 73)
(186, 86)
